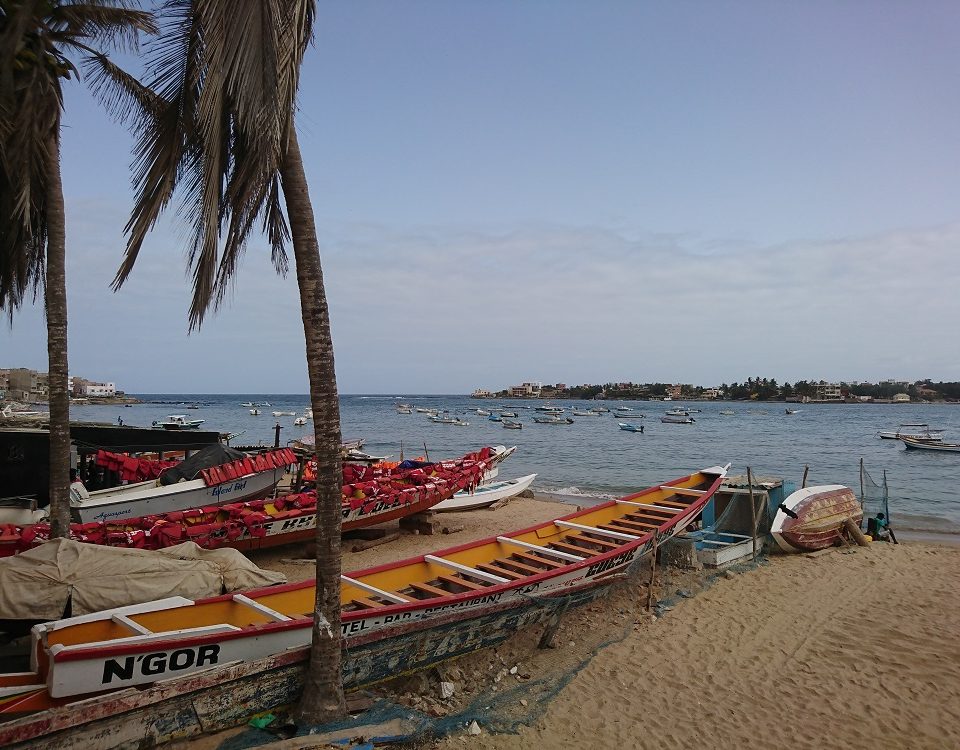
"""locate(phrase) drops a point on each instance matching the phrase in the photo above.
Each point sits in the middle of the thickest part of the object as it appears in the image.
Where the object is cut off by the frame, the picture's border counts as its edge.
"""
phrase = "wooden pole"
(753, 512)
(653, 569)
(854, 531)
(803, 482)
(425, 454)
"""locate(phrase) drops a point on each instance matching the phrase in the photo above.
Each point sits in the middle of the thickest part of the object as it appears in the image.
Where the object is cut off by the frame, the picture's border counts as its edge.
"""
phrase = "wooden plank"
(522, 567)
(461, 582)
(538, 548)
(261, 608)
(464, 569)
(366, 603)
(511, 574)
(644, 521)
(674, 504)
(574, 548)
(683, 490)
(593, 540)
(390, 596)
(582, 527)
(630, 525)
(533, 557)
(426, 588)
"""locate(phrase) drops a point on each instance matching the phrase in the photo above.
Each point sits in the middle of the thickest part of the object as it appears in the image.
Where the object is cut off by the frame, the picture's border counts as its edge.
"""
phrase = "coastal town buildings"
(31, 386)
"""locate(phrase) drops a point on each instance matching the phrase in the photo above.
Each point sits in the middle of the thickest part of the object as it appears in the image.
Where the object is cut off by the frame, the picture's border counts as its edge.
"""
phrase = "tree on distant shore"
(217, 114)
(37, 40)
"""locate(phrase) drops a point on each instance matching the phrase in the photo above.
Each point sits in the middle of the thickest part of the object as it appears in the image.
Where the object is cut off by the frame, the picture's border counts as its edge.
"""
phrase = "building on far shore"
(527, 390)
(24, 385)
(901, 398)
(827, 392)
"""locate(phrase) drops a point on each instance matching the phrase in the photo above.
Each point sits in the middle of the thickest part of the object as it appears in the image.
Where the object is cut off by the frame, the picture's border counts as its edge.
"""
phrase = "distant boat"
(176, 422)
(283, 413)
(553, 420)
(511, 425)
(551, 409)
(678, 412)
(930, 445)
(300, 421)
(255, 412)
(600, 409)
(913, 431)
(247, 403)
(630, 427)
(404, 410)
(578, 413)
(495, 418)
(676, 419)
(483, 413)
(449, 420)
(726, 412)
(791, 411)
(628, 415)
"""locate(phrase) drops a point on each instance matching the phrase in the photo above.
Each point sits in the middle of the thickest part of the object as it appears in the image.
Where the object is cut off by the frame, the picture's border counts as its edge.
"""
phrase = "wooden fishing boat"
(553, 420)
(628, 427)
(510, 424)
(370, 496)
(676, 419)
(485, 495)
(930, 445)
(455, 600)
(812, 518)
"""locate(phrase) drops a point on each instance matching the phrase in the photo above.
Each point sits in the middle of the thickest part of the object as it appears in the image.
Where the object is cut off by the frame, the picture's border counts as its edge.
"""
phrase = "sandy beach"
(852, 648)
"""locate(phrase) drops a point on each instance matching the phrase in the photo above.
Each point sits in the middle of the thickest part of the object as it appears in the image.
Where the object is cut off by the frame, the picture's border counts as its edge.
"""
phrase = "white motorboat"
(177, 422)
(913, 431)
(300, 421)
(930, 445)
(485, 495)
(284, 413)
(255, 412)
(676, 419)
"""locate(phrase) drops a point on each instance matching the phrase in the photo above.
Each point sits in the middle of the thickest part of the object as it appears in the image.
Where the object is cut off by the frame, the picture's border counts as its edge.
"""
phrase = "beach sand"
(854, 648)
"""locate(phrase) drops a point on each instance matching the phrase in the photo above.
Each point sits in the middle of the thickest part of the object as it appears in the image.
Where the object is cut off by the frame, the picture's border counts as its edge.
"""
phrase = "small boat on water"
(726, 412)
(791, 411)
(553, 420)
(912, 431)
(813, 518)
(485, 495)
(930, 445)
(510, 424)
(581, 413)
(177, 422)
(628, 415)
(254, 412)
(678, 412)
(404, 410)
(495, 418)
(508, 414)
(550, 409)
(284, 413)
(600, 409)
(300, 421)
(483, 413)
(628, 427)
(437, 419)
(384, 610)
(247, 403)
(676, 419)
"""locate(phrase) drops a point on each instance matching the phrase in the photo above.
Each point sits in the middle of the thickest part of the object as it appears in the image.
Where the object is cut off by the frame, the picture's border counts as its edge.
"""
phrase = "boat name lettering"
(353, 627)
(159, 662)
(613, 562)
(226, 489)
(396, 618)
(304, 522)
(489, 599)
(114, 514)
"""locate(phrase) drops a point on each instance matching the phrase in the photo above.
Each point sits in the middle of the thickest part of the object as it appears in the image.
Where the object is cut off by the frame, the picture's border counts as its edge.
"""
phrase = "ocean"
(592, 459)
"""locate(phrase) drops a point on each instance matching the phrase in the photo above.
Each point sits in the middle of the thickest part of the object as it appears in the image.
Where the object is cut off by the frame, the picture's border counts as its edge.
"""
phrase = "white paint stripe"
(546, 550)
(390, 597)
(136, 627)
(135, 639)
(466, 569)
(595, 530)
(261, 608)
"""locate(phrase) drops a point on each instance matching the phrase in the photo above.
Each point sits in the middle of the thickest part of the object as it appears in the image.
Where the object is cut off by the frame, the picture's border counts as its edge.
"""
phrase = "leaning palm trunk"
(323, 691)
(55, 291)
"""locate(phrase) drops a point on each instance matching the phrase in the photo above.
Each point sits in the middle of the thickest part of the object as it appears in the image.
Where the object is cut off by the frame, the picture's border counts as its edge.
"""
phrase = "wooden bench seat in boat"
(462, 582)
(520, 566)
(497, 570)
(539, 560)
(641, 520)
(364, 603)
(634, 526)
(606, 545)
(573, 549)
(426, 588)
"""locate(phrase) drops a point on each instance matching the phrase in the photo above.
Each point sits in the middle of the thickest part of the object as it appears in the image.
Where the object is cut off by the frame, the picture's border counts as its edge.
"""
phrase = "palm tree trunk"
(322, 698)
(55, 292)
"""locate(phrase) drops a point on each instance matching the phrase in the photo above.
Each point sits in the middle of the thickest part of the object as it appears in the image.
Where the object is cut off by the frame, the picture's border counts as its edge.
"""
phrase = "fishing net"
(511, 684)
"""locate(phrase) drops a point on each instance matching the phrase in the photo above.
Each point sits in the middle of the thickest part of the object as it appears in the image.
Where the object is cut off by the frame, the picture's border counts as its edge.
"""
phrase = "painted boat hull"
(226, 696)
(146, 498)
(485, 496)
(930, 445)
(820, 515)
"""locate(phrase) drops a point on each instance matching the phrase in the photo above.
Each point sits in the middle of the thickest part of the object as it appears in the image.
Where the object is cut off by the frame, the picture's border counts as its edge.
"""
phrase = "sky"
(567, 191)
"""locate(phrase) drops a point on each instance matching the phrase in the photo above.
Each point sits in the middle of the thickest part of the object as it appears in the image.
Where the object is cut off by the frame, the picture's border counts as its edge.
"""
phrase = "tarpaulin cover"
(212, 455)
(37, 584)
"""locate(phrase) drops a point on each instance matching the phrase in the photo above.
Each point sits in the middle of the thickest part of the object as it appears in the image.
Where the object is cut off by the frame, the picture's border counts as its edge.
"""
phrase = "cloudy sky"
(569, 192)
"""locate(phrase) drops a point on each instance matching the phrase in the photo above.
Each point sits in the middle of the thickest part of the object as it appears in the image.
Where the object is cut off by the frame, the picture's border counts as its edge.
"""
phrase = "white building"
(100, 389)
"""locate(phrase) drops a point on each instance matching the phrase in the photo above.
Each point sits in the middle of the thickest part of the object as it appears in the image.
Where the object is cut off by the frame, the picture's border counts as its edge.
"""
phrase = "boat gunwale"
(78, 652)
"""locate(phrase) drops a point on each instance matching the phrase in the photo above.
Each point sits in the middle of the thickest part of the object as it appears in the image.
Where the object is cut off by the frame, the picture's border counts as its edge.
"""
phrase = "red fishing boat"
(813, 518)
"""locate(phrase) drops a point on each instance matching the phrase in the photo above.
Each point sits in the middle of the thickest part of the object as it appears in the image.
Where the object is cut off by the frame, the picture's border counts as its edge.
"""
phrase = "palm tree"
(36, 40)
(216, 112)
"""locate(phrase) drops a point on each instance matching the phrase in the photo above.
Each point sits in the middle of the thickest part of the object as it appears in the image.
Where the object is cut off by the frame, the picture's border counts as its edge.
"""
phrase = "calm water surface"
(593, 458)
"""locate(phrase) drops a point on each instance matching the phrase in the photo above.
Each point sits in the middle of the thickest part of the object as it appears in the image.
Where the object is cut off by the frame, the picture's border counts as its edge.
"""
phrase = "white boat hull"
(147, 499)
(485, 496)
